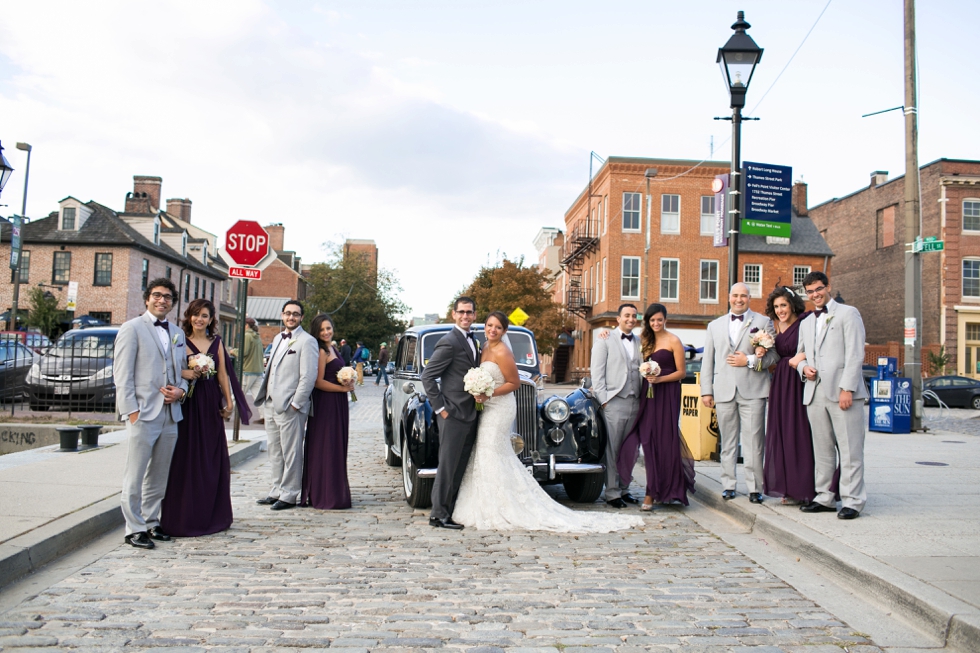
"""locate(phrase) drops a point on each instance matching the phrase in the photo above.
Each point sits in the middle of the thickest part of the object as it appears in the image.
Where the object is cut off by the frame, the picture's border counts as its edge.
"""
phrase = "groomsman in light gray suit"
(148, 360)
(285, 395)
(616, 384)
(832, 337)
(735, 382)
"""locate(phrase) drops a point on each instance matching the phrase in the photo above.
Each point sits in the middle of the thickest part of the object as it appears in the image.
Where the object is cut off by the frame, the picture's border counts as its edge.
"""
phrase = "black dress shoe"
(617, 503)
(282, 505)
(629, 498)
(435, 522)
(140, 540)
(813, 506)
(755, 497)
(268, 501)
(157, 534)
(848, 513)
(728, 495)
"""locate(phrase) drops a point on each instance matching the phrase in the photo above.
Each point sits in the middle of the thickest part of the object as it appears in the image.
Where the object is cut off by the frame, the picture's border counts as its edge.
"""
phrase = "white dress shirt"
(627, 343)
(734, 328)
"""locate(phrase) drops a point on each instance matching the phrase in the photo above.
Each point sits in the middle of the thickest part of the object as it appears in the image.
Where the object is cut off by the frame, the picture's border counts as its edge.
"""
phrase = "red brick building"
(606, 262)
(866, 230)
(283, 278)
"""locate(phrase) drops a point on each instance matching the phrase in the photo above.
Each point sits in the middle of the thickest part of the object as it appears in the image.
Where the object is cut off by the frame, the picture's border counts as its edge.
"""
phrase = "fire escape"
(582, 240)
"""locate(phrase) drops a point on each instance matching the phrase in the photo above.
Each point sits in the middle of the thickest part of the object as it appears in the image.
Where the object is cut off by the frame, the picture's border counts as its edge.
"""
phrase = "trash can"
(699, 424)
(890, 405)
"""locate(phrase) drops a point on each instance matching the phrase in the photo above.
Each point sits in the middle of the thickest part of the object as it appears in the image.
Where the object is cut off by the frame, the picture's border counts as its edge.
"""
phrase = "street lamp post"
(26, 147)
(737, 59)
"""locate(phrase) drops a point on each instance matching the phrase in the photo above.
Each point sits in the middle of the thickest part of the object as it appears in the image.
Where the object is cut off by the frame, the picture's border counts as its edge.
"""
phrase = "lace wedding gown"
(497, 492)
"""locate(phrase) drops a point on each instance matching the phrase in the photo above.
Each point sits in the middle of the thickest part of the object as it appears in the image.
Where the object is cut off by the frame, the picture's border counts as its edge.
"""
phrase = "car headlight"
(35, 372)
(557, 410)
(104, 373)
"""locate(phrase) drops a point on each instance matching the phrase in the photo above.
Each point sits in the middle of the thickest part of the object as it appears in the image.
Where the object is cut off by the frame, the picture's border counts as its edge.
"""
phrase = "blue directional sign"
(768, 199)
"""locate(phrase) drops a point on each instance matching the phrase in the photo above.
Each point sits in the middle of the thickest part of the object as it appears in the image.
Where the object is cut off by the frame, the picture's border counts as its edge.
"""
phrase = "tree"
(511, 285)
(363, 304)
(938, 362)
(44, 312)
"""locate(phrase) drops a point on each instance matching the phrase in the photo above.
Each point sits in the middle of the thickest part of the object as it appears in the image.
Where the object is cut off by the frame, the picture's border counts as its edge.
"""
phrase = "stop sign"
(247, 243)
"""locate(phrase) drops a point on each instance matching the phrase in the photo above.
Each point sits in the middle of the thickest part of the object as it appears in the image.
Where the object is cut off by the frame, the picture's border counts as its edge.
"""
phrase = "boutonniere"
(291, 342)
(829, 318)
(176, 338)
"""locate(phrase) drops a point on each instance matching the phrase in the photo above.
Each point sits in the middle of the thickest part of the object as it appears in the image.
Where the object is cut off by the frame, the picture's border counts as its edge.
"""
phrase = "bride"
(497, 493)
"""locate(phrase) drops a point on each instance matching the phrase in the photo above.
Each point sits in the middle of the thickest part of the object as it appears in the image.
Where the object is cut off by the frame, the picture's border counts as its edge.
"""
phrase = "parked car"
(559, 439)
(75, 372)
(869, 372)
(15, 361)
(954, 391)
(34, 341)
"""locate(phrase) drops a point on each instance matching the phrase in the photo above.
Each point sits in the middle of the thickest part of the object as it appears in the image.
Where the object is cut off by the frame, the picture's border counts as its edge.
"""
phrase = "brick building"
(866, 230)
(283, 278)
(605, 260)
(366, 250)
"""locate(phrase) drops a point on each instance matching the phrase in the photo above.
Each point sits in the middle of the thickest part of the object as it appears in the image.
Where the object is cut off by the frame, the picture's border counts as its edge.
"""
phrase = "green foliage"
(44, 313)
(363, 307)
(938, 363)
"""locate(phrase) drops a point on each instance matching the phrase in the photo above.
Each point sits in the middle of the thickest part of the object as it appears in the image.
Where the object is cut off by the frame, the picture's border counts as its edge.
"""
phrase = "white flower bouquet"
(763, 339)
(477, 382)
(205, 365)
(650, 368)
(346, 376)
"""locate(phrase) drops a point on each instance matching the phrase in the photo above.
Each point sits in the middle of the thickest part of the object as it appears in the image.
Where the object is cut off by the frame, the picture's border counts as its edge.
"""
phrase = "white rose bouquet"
(478, 382)
(650, 368)
(346, 375)
(203, 364)
(762, 339)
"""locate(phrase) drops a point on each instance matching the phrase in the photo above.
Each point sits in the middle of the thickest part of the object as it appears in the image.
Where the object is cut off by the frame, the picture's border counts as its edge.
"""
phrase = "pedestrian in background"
(382, 365)
(345, 352)
(361, 355)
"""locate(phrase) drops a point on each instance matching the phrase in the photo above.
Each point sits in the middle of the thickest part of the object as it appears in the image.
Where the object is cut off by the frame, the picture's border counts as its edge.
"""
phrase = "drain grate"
(931, 464)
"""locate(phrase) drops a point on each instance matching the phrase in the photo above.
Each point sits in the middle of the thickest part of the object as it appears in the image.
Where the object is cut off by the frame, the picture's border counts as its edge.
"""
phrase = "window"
(971, 277)
(709, 281)
(104, 316)
(886, 226)
(183, 244)
(631, 211)
(156, 231)
(972, 331)
(187, 287)
(197, 287)
(670, 214)
(68, 219)
(603, 290)
(631, 277)
(212, 292)
(799, 274)
(169, 272)
(752, 276)
(605, 213)
(669, 273)
(971, 215)
(146, 274)
(24, 266)
(103, 270)
(204, 254)
(61, 267)
(707, 215)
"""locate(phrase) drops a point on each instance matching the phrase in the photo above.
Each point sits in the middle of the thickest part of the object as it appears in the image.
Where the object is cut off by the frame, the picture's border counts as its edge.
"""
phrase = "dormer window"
(183, 244)
(204, 255)
(68, 219)
(156, 231)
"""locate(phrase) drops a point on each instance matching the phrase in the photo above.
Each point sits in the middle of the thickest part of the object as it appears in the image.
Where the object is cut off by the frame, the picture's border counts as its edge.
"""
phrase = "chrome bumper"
(427, 473)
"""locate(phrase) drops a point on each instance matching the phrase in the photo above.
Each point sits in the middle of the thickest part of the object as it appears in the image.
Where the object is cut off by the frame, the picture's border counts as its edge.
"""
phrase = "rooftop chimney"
(145, 197)
(799, 199)
(179, 208)
(878, 177)
(276, 236)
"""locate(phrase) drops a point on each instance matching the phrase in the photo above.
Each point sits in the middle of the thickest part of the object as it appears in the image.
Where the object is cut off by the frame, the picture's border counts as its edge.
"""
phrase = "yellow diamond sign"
(518, 317)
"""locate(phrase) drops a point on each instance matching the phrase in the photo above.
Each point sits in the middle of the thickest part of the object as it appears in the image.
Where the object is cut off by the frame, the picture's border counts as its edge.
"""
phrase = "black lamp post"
(737, 60)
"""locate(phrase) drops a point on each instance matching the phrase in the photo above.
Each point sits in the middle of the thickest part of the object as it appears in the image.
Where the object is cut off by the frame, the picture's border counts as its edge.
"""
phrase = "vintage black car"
(560, 440)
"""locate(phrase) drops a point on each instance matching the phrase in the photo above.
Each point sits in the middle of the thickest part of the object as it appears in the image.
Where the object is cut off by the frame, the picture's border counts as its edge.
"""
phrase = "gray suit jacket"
(450, 361)
(610, 366)
(295, 363)
(720, 379)
(139, 367)
(837, 354)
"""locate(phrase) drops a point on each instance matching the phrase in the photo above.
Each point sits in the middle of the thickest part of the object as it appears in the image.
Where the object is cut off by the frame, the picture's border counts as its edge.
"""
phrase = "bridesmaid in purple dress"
(669, 465)
(325, 483)
(198, 497)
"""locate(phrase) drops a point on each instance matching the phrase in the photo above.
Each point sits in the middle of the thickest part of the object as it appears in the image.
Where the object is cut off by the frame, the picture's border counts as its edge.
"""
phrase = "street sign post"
(768, 200)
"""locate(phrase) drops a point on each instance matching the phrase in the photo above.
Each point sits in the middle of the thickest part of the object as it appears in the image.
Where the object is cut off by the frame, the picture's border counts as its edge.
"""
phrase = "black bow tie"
(160, 324)
(740, 318)
(819, 312)
(287, 333)
(470, 336)
(627, 336)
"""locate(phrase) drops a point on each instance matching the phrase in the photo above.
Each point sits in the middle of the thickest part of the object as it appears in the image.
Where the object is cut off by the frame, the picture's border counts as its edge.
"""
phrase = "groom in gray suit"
(735, 382)
(285, 393)
(616, 382)
(148, 360)
(455, 409)
(832, 337)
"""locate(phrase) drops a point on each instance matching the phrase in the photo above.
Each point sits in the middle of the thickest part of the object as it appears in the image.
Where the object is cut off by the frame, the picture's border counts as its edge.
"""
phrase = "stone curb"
(31, 551)
(953, 622)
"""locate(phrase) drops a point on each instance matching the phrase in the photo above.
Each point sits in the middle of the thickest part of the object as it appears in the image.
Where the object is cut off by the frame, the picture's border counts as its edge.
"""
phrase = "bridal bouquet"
(649, 368)
(205, 365)
(347, 375)
(762, 339)
(478, 382)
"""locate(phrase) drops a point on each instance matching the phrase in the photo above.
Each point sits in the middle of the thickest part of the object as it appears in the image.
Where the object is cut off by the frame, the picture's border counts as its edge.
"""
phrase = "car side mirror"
(587, 382)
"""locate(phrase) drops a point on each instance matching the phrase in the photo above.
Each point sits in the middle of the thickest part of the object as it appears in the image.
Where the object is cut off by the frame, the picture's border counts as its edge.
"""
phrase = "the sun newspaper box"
(699, 424)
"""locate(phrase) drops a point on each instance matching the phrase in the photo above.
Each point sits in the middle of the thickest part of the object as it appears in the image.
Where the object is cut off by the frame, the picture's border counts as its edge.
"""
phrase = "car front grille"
(527, 412)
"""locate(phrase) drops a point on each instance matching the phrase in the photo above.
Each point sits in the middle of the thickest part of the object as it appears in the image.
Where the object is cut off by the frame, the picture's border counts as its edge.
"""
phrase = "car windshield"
(521, 343)
(84, 346)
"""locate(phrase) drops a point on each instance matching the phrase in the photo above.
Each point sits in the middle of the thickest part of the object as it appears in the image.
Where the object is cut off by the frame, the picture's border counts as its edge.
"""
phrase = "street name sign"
(768, 200)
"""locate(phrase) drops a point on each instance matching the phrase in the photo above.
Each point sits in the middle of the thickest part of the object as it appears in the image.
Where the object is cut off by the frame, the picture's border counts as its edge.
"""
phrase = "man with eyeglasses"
(832, 337)
(285, 393)
(149, 359)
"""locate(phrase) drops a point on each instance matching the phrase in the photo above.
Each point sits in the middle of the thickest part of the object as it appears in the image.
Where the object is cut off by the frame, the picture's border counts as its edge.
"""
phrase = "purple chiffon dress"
(669, 465)
(325, 484)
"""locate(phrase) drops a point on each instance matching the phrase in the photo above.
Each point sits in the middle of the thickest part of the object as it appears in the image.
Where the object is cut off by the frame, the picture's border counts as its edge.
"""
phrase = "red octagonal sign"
(247, 243)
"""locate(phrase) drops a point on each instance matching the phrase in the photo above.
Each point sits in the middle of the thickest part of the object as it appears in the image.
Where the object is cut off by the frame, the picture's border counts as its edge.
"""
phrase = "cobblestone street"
(377, 577)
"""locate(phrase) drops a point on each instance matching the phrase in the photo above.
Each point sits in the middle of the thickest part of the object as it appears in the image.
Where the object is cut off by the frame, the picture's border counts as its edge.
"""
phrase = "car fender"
(420, 432)
(588, 425)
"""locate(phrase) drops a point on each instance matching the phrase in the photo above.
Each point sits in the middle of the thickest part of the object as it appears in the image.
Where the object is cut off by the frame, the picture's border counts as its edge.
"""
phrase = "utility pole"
(913, 225)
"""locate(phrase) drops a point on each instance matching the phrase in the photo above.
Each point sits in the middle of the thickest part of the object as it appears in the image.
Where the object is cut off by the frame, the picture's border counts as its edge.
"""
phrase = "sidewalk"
(916, 546)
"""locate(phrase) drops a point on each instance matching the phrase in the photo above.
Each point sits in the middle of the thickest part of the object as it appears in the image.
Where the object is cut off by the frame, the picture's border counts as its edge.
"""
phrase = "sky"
(450, 132)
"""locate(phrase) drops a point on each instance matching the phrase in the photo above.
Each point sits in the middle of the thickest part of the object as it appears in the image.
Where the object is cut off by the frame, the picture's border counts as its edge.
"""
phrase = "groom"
(455, 409)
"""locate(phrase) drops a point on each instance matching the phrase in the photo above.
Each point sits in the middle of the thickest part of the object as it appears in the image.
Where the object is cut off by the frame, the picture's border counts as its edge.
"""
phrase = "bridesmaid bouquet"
(762, 339)
(650, 368)
(346, 375)
(204, 364)
(478, 382)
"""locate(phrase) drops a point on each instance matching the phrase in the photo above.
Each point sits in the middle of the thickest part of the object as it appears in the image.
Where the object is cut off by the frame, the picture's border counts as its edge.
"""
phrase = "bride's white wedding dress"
(498, 493)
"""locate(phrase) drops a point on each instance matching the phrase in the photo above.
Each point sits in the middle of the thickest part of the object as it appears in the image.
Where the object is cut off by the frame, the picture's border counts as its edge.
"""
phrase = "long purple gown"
(198, 498)
(325, 483)
(669, 465)
(788, 467)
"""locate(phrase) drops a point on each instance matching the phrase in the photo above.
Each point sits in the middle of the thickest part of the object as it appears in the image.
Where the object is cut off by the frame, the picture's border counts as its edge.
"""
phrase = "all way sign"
(252, 274)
